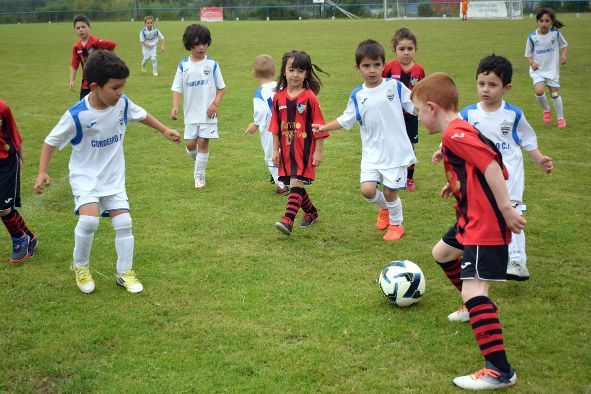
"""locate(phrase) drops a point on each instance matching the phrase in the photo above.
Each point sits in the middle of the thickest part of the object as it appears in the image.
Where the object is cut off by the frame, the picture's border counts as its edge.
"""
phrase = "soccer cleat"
(410, 185)
(488, 378)
(561, 123)
(84, 279)
(143, 67)
(394, 232)
(155, 74)
(271, 180)
(129, 281)
(284, 225)
(33, 242)
(309, 219)
(383, 219)
(460, 315)
(200, 181)
(20, 249)
(547, 117)
(280, 191)
(517, 271)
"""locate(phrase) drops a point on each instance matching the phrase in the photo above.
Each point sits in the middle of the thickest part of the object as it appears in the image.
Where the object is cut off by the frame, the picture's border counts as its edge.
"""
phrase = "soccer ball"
(402, 282)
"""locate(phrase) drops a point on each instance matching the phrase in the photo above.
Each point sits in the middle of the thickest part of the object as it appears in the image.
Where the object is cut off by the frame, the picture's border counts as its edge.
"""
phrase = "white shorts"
(392, 178)
(149, 52)
(105, 203)
(551, 83)
(201, 130)
(267, 144)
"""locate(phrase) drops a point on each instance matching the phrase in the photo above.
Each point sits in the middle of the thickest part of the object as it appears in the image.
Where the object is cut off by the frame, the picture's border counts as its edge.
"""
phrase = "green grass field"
(232, 305)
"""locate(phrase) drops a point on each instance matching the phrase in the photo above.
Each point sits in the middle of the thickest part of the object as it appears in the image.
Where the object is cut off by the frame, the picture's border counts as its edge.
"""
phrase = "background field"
(232, 305)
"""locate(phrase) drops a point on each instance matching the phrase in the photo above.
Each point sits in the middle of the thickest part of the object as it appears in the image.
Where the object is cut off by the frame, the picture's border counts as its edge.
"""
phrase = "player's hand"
(71, 86)
(212, 111)
(316, 158)
(251, 129)
(41, 181)
(276, 158)
(162, 49)
(174, 113)
(514, 220)
(437, 156)
(563, 59)
(546, 163)
(535, 66)
(445, 191)
(172, 135)
(316, 127)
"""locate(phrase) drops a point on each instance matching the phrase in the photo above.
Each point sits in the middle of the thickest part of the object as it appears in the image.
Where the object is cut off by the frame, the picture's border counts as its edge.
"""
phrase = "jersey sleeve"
(142, 37)
(9, 126)
(561, 40)
(527, 135)
(261, 111)
(469, 148)
(63, 132)
(106, 44)
(75, 62)
(350, 116)
(177, 84)
(217, 77)
(529, 47)
(160, 35)
(135, 113)
(405, 100)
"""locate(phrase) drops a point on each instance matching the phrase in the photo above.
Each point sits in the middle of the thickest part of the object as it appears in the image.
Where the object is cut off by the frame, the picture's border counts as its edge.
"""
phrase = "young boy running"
(149, 37)
(24, 241)
(485, 218)
(96, 128)
(386, 150)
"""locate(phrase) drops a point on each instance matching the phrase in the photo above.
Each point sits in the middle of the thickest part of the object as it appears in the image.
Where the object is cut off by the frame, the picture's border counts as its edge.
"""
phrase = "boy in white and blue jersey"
(96, 127)
(263, 69)
(505, 125)
(386, 150)
(149, 37)
(199, 80)
(542, 52)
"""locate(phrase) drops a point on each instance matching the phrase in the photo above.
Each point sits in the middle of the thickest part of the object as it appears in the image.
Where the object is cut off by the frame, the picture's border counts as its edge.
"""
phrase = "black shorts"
(486, 262)
(412, 128)
(287, 179)
(10, 182)
(84, 93)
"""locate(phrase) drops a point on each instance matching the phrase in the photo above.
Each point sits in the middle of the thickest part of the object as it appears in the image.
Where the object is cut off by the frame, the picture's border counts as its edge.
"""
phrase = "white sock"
(154, 66)
(275, 174)
(144, 62)
(557, 102)
(83, 237)
(192, 153)
(201, 163)
(124, 242)
(543, 102)
(379, 200)
(395, 211)
(517, 248)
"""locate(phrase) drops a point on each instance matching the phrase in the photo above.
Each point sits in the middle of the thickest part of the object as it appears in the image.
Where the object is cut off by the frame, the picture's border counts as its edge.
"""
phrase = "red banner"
(212, 14)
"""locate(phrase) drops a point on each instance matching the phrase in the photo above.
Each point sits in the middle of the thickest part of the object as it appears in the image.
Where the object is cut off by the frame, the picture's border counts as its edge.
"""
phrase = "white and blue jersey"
(384, 142)
(510, 131)
(544, 50)
(97, 164)
(198, 82)
(263, 103)
(150, 36)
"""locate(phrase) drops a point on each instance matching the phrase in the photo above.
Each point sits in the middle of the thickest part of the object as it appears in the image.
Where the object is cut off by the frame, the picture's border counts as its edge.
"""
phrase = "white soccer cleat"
(517, 271)
(84, 279)
(486, 379)
(155, 74)
(200, 181)
(129, 281)
(460, 315)
(143, 67)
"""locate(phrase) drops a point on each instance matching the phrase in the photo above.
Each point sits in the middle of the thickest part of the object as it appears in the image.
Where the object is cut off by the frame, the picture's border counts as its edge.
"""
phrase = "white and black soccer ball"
(402, 282)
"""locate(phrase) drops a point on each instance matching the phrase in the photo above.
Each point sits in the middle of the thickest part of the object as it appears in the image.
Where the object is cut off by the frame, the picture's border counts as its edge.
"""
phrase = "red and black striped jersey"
(81, 52)
(292, 119)
(408, 77)
(10, 139)
(466, 154)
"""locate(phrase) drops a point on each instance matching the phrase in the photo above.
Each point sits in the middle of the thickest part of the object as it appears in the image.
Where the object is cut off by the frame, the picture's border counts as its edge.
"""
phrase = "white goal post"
(477, 9)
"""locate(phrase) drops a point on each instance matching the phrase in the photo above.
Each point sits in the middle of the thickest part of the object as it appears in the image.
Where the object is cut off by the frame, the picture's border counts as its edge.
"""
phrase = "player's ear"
(507, 87)
(93, 85)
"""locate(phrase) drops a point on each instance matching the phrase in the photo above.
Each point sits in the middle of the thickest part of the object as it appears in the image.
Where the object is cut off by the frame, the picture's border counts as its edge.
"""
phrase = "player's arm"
(162, 40)
(176, 100)
(317, 155)
(212, 111)
(332, 126)
(43, 174)
(563, 56)
(545, 162)
(276, 157)
(494, 177)
(154, 123)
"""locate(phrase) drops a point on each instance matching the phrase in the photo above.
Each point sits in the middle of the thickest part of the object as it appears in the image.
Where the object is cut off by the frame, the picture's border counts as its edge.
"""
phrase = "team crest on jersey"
(414, 81)
(506, 127)
(206, 70)
(301, 108)
(390, 94)
(120, 118)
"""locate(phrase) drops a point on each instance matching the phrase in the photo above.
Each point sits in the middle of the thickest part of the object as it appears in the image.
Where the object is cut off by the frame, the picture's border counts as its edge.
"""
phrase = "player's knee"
(554, 95)
(368, 190)
(122, 224)
(87, 225)
(5, 212)
(190, 145)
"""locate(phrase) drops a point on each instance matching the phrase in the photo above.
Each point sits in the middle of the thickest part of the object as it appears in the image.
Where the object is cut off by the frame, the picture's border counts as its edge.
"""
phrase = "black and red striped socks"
(15, 224)
(452, 271)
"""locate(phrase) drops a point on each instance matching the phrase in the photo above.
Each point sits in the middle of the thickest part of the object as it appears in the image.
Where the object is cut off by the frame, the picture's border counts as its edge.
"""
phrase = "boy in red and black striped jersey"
(297, 150)
(83, 48)
(485, 218)
(24, 241)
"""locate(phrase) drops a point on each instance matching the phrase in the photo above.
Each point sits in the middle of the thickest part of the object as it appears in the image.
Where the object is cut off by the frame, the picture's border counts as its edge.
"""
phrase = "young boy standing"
(199, 80)
(82, 49)
(96, 128)
(263, 69)
(24, 241)
(149, 37)
(386, 150)
(485, 218)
